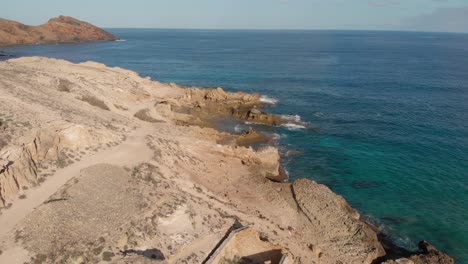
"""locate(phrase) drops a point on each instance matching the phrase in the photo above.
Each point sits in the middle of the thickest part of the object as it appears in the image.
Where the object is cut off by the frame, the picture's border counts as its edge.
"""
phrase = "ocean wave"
(294, 122)
(268, 100)
(295, 118)
(240, 128)
(273, 136)
(120, 40)
(293, 127)
(276, 137)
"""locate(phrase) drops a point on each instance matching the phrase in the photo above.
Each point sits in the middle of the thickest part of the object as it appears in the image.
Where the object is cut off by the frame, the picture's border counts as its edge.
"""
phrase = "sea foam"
(268, 100)
(294, 122)
(295, 118)
(293, 127)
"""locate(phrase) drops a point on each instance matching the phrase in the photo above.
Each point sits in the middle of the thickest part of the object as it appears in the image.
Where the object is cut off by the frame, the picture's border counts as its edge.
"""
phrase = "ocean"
(386, 113)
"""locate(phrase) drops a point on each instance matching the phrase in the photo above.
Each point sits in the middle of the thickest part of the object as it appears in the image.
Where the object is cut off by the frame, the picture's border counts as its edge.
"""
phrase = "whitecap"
(120, 40)
(268, 100)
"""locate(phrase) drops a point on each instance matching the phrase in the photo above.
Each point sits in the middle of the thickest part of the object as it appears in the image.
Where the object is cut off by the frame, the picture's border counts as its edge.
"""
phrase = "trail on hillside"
(131, 151)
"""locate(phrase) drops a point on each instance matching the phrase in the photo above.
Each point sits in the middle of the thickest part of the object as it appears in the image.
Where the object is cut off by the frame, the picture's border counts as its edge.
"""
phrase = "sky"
(414, 15)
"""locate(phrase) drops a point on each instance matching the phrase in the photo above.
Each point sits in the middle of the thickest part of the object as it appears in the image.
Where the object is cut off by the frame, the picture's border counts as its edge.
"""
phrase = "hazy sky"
(426, 15)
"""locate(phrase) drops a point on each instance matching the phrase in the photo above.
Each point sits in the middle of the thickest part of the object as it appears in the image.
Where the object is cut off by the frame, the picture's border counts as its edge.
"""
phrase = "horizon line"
(292, 29)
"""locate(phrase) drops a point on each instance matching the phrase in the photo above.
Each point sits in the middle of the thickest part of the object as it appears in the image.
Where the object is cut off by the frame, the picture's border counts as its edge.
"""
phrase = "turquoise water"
(388, 111)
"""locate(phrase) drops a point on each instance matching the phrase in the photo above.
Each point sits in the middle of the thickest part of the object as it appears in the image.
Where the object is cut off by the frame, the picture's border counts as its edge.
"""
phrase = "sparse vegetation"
(64, 85)
(94, 101)
(24, 124)
(120, 107)
(3, 143)
(98, 250)
(144, 116)
(107, 256)
(41, 258)
(61, 163)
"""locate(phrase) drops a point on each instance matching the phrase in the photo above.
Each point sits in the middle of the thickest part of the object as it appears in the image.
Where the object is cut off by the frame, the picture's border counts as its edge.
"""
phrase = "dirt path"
(131, 151)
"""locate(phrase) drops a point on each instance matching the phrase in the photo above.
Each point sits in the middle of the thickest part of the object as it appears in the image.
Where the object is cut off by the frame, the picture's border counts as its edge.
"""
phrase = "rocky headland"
(100, 165)
(61, 29)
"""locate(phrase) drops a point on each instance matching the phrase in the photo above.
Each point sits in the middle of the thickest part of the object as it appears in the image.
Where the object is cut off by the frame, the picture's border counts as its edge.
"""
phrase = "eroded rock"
(352, 240)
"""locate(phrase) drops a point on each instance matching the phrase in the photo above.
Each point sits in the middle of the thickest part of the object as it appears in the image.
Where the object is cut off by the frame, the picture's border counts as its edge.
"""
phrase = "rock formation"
(62, 29)
(427, 254)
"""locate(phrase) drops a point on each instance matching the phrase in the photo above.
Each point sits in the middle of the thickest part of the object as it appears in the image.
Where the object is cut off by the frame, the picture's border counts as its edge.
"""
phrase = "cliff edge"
(62, 29)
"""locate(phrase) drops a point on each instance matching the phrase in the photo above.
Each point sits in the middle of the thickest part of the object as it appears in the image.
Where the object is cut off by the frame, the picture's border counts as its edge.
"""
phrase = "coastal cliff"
(99, 164)
(61, 29)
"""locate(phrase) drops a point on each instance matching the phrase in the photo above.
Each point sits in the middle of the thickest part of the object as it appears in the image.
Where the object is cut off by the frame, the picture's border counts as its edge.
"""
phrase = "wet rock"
(430, 255)
(427, 254)
(257, 116)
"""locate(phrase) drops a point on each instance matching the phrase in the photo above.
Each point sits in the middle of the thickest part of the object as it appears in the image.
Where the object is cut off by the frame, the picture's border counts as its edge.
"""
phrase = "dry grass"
(94, 101)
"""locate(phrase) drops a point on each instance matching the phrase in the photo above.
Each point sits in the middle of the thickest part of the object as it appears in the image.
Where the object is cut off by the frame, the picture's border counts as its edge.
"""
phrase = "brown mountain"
(62, 29)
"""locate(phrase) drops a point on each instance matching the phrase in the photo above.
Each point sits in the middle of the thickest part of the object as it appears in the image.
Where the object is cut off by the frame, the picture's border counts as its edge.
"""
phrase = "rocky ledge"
(62, 29)
(101, 165)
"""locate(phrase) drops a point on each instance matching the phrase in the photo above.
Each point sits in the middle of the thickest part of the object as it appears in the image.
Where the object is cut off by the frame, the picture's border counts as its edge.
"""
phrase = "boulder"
(335, 226)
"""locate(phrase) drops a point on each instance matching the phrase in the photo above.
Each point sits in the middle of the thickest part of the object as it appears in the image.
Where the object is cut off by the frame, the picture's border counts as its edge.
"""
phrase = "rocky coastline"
(98, 164)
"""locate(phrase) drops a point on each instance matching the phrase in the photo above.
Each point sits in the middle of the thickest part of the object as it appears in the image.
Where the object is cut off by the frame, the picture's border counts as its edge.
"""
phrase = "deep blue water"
(389, 110)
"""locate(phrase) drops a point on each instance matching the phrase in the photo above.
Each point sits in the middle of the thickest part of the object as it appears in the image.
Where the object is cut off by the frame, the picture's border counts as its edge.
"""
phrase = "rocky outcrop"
(265, 163)
(427, 254)
(215, 102)
(62, 29)
(256, 115)
(339, 226)
(218, 95)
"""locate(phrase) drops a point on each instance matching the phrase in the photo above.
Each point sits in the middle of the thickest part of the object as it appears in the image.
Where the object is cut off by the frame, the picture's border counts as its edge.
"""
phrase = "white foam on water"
(268, 100)
(276, 136)
(253, 123)
(240, 128)
(120, 40)
(295, 118)
(293, 127)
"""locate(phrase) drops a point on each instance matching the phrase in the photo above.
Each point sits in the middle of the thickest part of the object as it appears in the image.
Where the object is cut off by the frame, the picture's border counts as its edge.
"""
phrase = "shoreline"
(304, 218)
(393, 251)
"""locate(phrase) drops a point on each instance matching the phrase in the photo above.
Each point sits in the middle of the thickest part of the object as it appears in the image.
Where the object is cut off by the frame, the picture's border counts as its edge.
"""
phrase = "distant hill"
(62, 29)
